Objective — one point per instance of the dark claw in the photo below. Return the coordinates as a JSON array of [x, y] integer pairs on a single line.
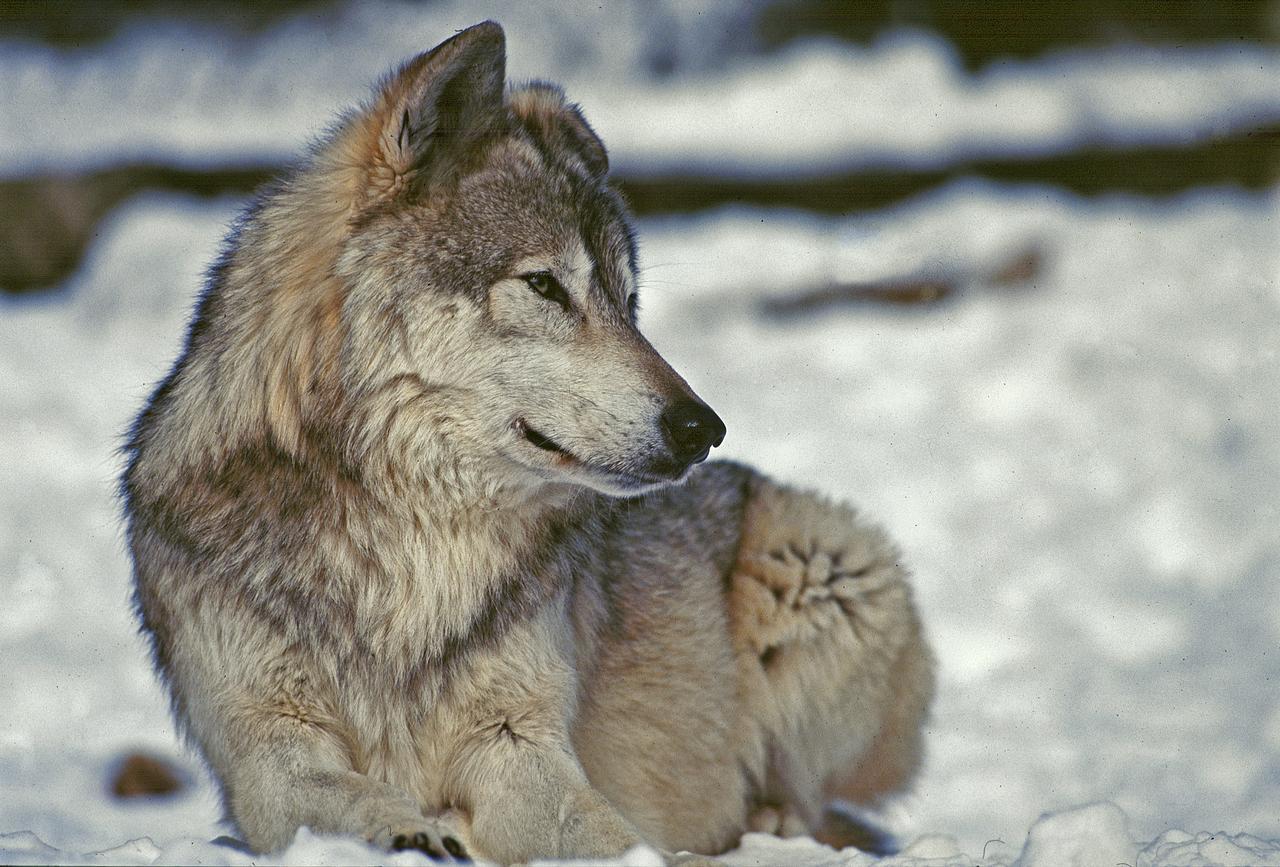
[[418, 841], [455, 848]]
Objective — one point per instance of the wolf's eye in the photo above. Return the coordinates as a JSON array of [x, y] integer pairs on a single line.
[[548, 287]]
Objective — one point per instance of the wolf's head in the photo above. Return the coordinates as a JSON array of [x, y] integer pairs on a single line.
[[482, 287]]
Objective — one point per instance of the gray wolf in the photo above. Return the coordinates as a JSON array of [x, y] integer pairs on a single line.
[[422, 538]]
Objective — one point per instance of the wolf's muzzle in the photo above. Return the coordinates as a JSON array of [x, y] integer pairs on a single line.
[[691, 429]]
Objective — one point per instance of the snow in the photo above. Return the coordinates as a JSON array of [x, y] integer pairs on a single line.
[[186, 95], [1095, 834], [1083, 471]]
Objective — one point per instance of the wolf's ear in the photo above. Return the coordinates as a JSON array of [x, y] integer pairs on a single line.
[[543, 110], [441, 103]]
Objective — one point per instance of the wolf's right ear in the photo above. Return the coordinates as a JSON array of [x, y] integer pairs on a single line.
[[438, 105]]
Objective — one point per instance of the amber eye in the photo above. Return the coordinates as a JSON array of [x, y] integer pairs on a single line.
[[548, 287]]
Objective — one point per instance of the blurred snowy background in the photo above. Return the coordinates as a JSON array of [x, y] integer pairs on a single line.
[[1006, 275]]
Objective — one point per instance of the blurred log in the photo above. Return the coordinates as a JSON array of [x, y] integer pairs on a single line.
[[1022, 267], [994, 29], [904, 293], [48, 222], [1249, 159], [75, 23]]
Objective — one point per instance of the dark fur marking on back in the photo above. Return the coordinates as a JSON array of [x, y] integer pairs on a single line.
[[744, 496], [611, 546]]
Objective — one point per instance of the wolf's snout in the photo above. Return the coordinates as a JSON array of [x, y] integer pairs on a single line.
[[692, 429]]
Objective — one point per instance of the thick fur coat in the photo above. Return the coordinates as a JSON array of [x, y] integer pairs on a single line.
[[422, 541]]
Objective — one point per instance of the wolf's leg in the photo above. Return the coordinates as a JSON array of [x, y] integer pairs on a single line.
[[888, 765], [540, 805], [536, 803], [513, 769], [267, 729], [834, 669]]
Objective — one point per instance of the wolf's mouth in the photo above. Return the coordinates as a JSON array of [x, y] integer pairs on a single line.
[[619, 480], [542, 441]]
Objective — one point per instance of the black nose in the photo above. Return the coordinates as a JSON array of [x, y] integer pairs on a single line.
[[692, 429]]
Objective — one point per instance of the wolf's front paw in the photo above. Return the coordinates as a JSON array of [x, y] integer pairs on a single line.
[[436, 846], [438, 838]]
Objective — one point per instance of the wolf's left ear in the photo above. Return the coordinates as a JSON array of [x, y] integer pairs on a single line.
[[543, 110], [442, 102]]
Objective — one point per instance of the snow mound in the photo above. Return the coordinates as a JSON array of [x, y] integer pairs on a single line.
[[1180, 849], [1084, 837]]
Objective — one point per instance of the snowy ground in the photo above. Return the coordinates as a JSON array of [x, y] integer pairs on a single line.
[[1083, 470]]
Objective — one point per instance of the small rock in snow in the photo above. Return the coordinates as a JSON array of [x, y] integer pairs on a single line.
[[139, 774]]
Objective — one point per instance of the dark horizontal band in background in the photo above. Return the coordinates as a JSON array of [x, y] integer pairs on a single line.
[[48, 221]]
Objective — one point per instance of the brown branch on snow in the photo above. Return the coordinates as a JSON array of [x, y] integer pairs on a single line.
[[1020, 269]]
